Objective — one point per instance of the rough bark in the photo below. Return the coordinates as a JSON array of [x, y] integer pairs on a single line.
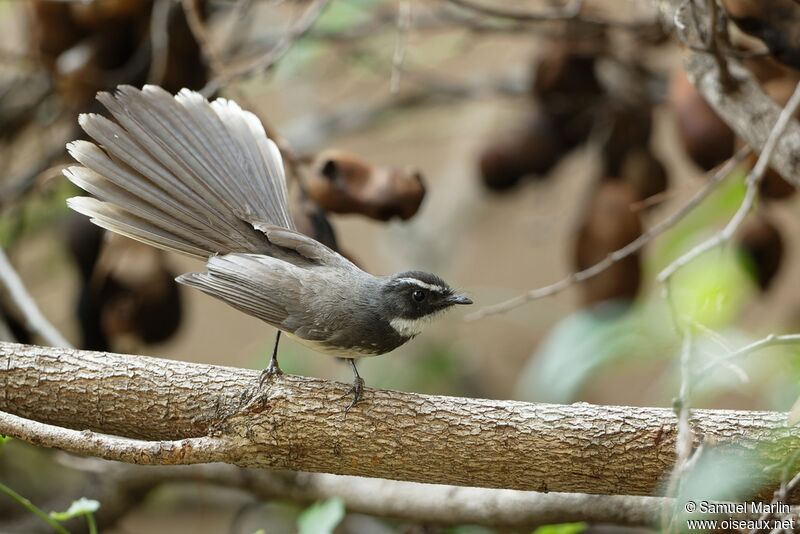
[[300, 424]]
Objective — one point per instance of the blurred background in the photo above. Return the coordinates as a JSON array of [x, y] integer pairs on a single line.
[[501, 153]]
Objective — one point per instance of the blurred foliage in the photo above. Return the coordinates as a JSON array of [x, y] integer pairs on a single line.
[[564, 528], [710, 292], [321, 517], [78, 508], [582, 342], [36, 213]]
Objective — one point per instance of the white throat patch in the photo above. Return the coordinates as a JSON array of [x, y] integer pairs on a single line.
[[409, 327]]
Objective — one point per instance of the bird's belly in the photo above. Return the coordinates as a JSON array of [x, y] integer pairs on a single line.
[[360, 351]]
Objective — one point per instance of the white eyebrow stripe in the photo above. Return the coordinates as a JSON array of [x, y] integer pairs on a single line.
[[423, 285]]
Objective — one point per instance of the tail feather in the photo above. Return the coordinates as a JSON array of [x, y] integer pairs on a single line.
[[112, 218], [115, 182], [180, 173], [156, 212]]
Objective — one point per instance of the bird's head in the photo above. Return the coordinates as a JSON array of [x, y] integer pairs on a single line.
[[413, 298]]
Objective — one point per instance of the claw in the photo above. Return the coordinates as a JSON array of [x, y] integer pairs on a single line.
[[357, 390]]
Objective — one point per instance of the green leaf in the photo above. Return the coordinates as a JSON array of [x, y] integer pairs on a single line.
[[4, 439], [82, 506], [321, 517], [564, 528], [712, 289]]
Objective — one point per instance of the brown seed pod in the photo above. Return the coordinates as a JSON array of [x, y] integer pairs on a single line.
[[766, 68], [707, 139], [645, 173], [564, 70], [609, 224], [344, 183], [52, 30], [761, 244], [775, 22], [126, 288], [630, 130], [534, 150], [82, 44], [773, 185]]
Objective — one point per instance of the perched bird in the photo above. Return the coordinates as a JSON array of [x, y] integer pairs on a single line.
[[203, 179]]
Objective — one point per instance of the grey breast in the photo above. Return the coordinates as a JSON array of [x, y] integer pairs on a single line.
[[342, 311]]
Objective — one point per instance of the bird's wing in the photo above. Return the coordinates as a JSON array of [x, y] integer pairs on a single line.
[[308, 248], [262, 286]]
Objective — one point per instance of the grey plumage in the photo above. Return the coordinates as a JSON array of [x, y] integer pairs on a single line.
[[203, 179]]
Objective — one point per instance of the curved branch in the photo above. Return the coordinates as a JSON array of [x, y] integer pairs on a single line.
[[299, 423], [185, 451], [746, 108], [38, 323]]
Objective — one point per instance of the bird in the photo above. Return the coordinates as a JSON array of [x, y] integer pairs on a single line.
[[203, 179]]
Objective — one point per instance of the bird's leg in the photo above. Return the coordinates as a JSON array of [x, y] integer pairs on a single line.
[[273, 369], [358, 386]]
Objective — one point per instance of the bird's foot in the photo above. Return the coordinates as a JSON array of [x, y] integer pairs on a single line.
[[273, 369], [258, 397], [357, 391]]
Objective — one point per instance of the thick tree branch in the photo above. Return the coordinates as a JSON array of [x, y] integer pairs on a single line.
[[299, 423]]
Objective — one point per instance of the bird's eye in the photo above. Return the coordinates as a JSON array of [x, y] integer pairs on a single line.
[[418, 295]]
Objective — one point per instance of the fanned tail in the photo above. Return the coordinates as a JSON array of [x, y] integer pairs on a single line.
[[180, 173]]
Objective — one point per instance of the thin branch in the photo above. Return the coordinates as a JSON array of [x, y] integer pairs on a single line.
[[769, 341], [185, 451], [405, 17], [618, 255], [685, 441], [32, 508], [261, 65], [22, 300], [572, 11], [159, 40], [753, 180], [121, 487]]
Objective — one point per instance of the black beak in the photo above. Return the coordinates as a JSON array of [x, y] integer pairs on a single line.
[[459, 299]]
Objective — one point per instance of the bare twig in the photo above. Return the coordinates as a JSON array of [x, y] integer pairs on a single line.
[[27, 307], [571, 12], [685, 439], [121, 486], [769, 341], [753, 180], [634, 246], [715, 34], [275, 54], [159, 40], [405, 17]]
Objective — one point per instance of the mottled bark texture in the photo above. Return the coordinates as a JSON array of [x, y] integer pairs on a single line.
[[300, 424]]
